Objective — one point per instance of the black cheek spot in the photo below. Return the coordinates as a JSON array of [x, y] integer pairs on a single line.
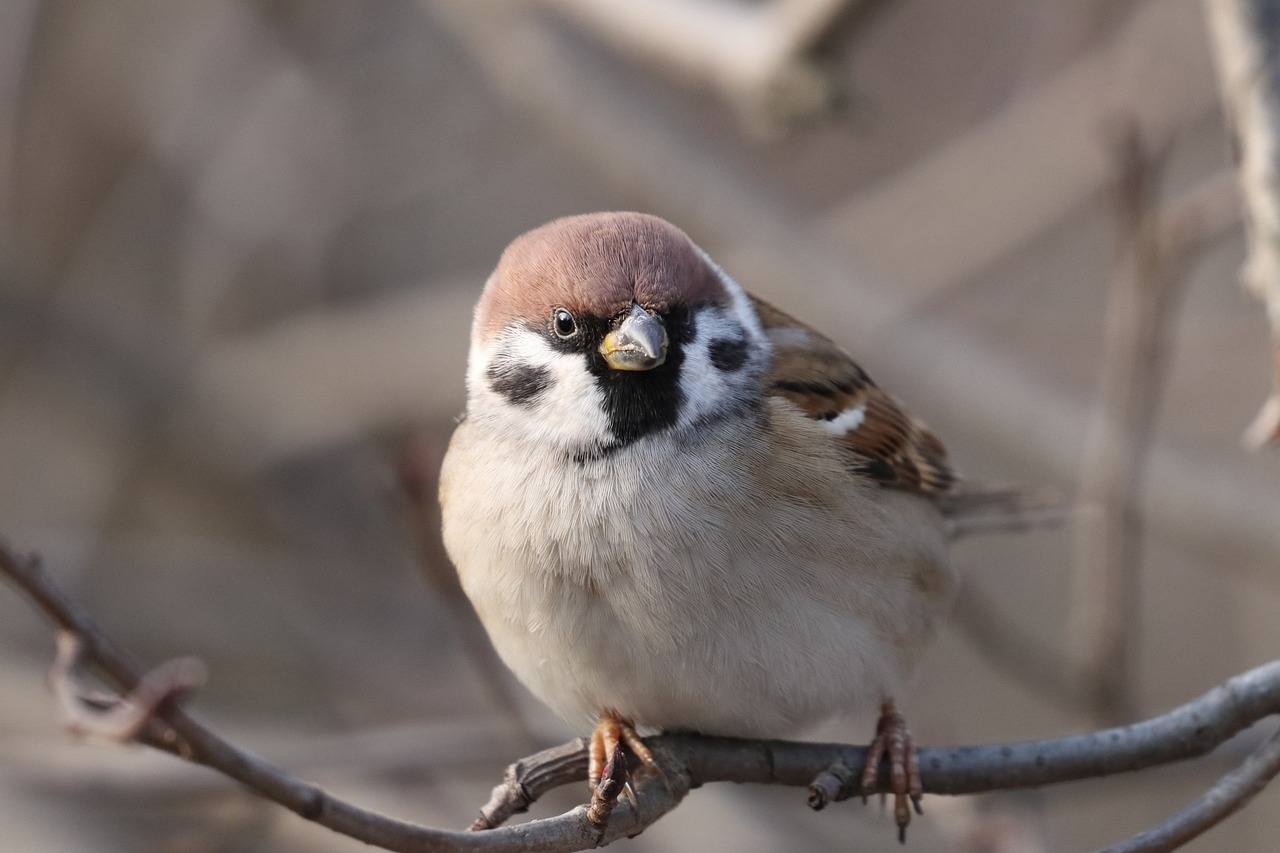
[[519, 382], [728, 354]]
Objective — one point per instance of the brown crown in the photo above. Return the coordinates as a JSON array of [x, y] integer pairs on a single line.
[[596, 264]]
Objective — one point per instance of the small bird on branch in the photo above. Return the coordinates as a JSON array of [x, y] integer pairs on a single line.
[[676, 507]]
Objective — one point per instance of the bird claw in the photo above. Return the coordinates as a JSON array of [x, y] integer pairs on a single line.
[[612, 783], [894, 740], [612, 731], [613, 738]]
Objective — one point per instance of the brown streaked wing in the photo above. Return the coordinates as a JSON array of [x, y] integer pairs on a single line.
[[887, 445]]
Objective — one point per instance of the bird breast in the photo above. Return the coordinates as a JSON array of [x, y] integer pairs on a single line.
[[747, 586]]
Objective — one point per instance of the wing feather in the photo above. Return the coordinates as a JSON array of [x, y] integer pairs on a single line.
[[884, 442]]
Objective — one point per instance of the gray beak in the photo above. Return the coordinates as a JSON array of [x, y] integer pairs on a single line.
[[639, 342]]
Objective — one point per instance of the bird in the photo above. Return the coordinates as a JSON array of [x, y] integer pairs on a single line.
[[674, 507]]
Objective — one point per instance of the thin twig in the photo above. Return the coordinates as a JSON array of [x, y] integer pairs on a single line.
[[831, 785], [1107, 553], [529, 778], [755, 54], [1154, 251], [113, 717], [686, 760], [1231, 793]]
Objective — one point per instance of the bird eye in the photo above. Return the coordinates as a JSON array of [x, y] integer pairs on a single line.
[[563, 323]]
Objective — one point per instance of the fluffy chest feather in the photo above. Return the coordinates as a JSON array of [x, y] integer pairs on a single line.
[[737, 585]]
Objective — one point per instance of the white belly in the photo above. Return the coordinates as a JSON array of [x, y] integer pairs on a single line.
[[641, 585]]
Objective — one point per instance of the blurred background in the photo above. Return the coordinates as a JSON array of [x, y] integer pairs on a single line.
[[239, 245]]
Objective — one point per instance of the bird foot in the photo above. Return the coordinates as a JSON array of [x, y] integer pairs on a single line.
[[894, 740], [614, 730], [608, 773], [607, 789]]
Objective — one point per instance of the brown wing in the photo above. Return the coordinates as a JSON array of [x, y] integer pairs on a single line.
[[884, 442]]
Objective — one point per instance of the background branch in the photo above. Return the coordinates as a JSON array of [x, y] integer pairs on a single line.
[[690, 761], [1246, 43], [1108, 538], [755, 54], [1156, 243], [1230, 794]]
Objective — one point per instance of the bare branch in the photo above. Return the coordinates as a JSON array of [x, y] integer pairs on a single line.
[[118, 718], [1246, 46], [175, 731], [1228, 796], [530, 778], [686, 760], [1107, 553], [755, 54], [1154, 249]]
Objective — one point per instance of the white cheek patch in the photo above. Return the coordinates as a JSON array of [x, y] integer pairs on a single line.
[[711, 385], [573, 411], [704, 387], [713, 389], [569, 412], [847, 421]]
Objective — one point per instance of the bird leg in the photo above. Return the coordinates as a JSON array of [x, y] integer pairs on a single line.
[[613, 730], [607, 772], [893, 739]]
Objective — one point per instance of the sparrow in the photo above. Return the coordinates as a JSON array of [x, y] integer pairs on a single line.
[[675, 507]]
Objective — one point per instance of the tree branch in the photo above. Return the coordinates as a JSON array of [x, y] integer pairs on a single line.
[[755, 54], [689, 761], [1229, 795], [1246, 46], [1107, 556]]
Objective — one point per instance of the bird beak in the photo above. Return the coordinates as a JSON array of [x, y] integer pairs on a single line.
[[639, 342]]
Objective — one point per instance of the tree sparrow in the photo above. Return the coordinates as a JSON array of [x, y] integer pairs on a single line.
[[674, 506]]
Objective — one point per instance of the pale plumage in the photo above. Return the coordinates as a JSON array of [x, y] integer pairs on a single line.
[[729, 530]]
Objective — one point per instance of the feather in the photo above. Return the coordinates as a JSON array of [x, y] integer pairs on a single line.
[[884, 442]]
